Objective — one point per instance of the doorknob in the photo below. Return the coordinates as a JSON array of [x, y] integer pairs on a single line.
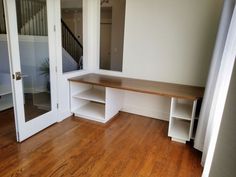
[[19, 76]]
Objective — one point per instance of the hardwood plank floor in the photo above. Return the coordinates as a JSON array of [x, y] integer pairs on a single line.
[[128, 146]]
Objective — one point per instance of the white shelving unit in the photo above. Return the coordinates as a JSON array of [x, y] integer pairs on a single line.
[[182, 114], [94, 102]]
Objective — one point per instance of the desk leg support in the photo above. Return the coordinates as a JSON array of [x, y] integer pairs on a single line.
[[114, 102]]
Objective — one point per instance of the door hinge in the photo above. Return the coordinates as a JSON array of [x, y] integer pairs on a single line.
[[54, 28], [57, 106], [56, 69]]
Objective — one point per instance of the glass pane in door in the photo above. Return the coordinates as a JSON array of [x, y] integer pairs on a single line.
[[34, 56]]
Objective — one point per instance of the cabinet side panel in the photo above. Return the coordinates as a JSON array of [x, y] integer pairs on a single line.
[[114, 102], [172, 104]]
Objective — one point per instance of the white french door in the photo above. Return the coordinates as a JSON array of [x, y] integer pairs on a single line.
[[31, 48]]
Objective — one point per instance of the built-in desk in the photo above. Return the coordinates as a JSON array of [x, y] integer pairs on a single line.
[[100, 97]]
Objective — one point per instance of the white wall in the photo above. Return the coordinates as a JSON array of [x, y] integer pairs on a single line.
[[147, 105], [223, 164], [69, 64], [170, 41]]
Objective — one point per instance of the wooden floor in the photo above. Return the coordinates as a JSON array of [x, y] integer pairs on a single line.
[[128, 146]]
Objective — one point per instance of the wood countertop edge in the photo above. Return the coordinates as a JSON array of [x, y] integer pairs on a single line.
[[170, 95]]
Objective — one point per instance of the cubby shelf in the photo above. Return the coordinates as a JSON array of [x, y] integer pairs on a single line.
[[180, 129], [183, 111], [92, 110], [93, 102], [181, 119], [92, 94]]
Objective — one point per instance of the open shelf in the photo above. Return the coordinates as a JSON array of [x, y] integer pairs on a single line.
[[95, 111], [182, 119], [183, 111], [180, 129], [92, 94]]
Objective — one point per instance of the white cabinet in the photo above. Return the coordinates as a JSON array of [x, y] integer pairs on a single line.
[[95, 102], [182, 114]]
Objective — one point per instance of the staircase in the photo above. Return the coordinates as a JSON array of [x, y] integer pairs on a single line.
[[32, 20], [71, 44], [31, 17], [2, 19]]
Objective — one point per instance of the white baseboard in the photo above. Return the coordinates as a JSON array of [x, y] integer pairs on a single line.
[[146, 112], [63, 115]]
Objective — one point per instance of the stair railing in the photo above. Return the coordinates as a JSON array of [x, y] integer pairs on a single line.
[[71, 44], [2, 20]]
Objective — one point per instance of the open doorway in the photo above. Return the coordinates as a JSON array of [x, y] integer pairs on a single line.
[[7, 121]]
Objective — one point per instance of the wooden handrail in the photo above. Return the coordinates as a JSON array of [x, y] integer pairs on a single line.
[[71, 33]]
